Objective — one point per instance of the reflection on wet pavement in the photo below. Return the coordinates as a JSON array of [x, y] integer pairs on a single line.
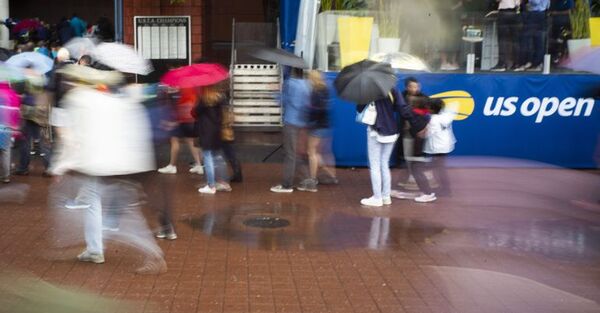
[[311, 229]]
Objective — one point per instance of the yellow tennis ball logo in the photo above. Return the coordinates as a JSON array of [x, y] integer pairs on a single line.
[[460, 100]]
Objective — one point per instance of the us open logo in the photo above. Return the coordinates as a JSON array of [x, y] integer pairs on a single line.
[[540, 108], [459, 99]]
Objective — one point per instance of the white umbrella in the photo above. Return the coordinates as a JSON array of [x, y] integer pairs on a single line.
[[402, 61], [36, 61], [122, 58], [80, 46]]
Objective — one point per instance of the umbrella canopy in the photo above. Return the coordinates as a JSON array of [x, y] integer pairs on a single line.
[[9, 73], [401, 61], [122, 58], [278, 56], [80, 46], [89, 75], [195, 75], [365, 81], [37, 61], [587, 60]]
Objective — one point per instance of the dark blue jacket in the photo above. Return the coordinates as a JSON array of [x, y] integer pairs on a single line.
[[386, 123]]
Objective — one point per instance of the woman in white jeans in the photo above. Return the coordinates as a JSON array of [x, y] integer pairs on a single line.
[[381, 138]]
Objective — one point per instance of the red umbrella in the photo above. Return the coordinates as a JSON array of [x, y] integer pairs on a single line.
[[195, 75]]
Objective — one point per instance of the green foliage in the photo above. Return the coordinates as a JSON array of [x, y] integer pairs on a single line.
[[177, 1], [343, 5], [388, 17], [580, 19]]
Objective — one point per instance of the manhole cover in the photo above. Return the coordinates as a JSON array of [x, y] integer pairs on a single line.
[[266, 222]]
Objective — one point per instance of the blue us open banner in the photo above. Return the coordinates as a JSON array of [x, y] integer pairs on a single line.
[[553, 119]]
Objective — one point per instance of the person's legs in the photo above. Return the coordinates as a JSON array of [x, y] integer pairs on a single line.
[[209, 167], [194, 150], [230, 156], [290, 141], [313, 155], [386, 154], [220, 167], [441, 175], [25, 147], [374, 149], [419, 169], [174, 151], [91, 194], [327, 160], [5, 163], [538, 36], [503, 27]]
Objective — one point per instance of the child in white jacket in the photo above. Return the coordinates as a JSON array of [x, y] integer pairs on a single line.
[[439, 142]]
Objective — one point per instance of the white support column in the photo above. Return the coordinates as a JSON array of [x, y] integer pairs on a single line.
[[4, 35]]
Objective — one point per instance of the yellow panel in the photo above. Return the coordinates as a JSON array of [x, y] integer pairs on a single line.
[[463, 99], [595, 30], [355, 38]]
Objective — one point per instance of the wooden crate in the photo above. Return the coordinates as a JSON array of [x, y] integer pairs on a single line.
[[256, 89]]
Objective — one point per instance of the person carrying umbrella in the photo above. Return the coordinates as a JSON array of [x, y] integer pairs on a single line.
[[295, 99], [209, 114], [372, 86]]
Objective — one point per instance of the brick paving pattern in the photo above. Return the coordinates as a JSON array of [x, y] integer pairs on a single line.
[[506, 241]]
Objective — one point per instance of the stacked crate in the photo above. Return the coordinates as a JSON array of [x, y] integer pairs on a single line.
[[256, 90]]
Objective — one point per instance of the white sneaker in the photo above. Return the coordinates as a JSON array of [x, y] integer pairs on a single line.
[[371, 202], [208, 190], [223, 187], [426, 198], [387, 200], [197, 169], [403, 195], [169, 169], [281, 189]]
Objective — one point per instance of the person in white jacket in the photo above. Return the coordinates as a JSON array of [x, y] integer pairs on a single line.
[[439, 142], [106, 137]]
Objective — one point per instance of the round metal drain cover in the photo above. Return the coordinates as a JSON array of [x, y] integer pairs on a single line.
[[266, 222]]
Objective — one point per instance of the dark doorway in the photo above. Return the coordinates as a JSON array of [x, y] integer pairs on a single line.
[[218, 16]]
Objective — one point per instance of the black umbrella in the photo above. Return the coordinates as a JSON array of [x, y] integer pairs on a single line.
[[365, 81], [278, 56]]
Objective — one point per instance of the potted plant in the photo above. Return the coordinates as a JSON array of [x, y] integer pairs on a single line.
[[328, 47], [388, 22], [580, 26]]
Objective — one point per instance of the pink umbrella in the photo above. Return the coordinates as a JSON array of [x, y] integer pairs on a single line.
[[195, 75]]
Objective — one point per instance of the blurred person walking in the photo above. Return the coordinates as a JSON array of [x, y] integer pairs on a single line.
[[209, 115], [405, 146], [107, 138], [319, 135], [9, 125], [228, 138], [438, 141], [185, 130], [35, 118], [295, 100]]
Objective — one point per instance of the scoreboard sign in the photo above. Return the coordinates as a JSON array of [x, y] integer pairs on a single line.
[[165, 41]]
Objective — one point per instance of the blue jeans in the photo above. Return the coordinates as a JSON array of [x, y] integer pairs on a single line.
[[214, 167], [379, 166]]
